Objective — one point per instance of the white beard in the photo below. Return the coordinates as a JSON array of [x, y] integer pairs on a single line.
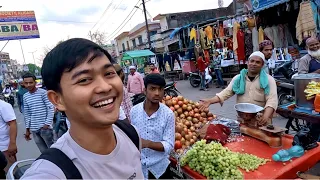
[[315, 54]]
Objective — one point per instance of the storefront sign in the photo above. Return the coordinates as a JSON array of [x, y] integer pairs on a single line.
[[18, 25], [259, 5]]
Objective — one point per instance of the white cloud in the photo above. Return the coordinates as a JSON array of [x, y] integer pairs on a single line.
[[86, 11]]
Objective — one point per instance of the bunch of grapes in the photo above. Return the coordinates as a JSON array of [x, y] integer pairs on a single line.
[[217, 162]]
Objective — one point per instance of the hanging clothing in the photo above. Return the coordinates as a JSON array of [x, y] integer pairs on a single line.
[[193, 35], [208, 31], [248, 43], [261, 35], [255, 39], [269, 33], [202, 39], [305, 26], [282, 40], [276, 38], [241, 46], [288, 35], [236, 27], [230, 44], [316, 15], [221, 31], [251, 23]]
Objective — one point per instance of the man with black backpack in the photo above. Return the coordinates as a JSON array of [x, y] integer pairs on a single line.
[[82, 82]]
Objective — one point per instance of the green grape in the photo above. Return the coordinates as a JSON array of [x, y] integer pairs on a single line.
[[217, 162]]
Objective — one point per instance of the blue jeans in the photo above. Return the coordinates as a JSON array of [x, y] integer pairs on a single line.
[[219, 77], [203, 80], [43, 138]]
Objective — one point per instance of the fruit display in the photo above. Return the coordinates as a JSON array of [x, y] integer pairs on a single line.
[[217, 162], [312, 89], [188, 119]]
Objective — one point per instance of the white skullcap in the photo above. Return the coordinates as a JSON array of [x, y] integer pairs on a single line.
[[20, 80], [259, 54], [132, 67]]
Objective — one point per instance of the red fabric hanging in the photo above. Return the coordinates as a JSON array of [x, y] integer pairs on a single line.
[[241, 47]]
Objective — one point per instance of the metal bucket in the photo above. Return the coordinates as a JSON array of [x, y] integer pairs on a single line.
[[300, 83]]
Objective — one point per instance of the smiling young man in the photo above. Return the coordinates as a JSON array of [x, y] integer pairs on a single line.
[[155, 122], [82, 82]]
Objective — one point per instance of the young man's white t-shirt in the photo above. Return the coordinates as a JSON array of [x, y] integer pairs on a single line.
[[6, 115], [122, 163]]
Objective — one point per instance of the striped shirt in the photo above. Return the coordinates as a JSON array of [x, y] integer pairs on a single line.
[[38, 110]]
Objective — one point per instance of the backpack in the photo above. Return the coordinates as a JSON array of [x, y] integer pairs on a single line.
[[61, 160]]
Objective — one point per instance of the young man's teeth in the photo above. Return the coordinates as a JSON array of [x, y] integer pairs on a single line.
[[103, 103]]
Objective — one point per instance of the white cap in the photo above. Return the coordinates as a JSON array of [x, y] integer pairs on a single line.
[[20, 80], [132, 67], [259, 54]]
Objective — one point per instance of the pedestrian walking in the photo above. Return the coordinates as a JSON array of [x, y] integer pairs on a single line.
[[38, 114], [155, 123], [126, 103], [202, 65], [21, 91], [217, 69], [135, 81], [82, 82], [8, 134]]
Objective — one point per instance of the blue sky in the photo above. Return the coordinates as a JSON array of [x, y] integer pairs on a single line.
[[62, 19]]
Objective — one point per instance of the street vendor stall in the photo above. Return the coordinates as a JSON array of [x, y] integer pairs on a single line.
[[272, 169], [214, 147], [139, 58]]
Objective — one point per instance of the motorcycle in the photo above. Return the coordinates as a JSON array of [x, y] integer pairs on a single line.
[[169, 90], [285, 87], [9, 99], [195, 79]]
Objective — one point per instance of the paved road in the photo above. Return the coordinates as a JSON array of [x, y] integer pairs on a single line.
[[26, 150], [29, 149]]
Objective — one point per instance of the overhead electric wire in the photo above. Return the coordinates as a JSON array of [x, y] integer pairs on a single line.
[[104, 12], [114, 34], [110, 15], [124, 21], [80, 22]]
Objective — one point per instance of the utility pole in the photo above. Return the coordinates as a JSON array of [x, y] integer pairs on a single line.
[[147, 26]]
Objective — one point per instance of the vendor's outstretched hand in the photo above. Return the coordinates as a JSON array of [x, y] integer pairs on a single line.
[[203, 104]]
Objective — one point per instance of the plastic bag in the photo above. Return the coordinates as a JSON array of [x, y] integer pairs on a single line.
[[304, 138]]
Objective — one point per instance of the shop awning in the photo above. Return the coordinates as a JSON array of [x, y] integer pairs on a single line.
[[259, 5], [135, 54]]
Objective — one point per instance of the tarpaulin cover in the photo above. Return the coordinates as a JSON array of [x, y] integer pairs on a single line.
[[259, 5], [176, 30], [134, 54]]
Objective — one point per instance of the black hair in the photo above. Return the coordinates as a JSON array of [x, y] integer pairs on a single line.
[[200, 53], [155, 79], [65, 57], [29, 75]]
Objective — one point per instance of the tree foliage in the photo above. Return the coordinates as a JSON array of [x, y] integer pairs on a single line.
[[98, 37], [33, 67]]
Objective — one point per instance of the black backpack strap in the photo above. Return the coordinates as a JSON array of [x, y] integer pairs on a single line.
[[130, 132], [61, 160]]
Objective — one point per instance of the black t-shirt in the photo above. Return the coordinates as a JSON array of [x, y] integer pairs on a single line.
[[251, 78]]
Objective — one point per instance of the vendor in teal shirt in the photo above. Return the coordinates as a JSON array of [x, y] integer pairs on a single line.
[[21, 91]]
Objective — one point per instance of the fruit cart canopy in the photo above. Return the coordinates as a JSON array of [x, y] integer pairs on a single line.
[[259, 5], [135, 54]]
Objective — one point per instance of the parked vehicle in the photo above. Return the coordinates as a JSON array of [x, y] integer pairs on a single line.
[[195, 79], [9, 98], [169, 90], [285, 86]]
